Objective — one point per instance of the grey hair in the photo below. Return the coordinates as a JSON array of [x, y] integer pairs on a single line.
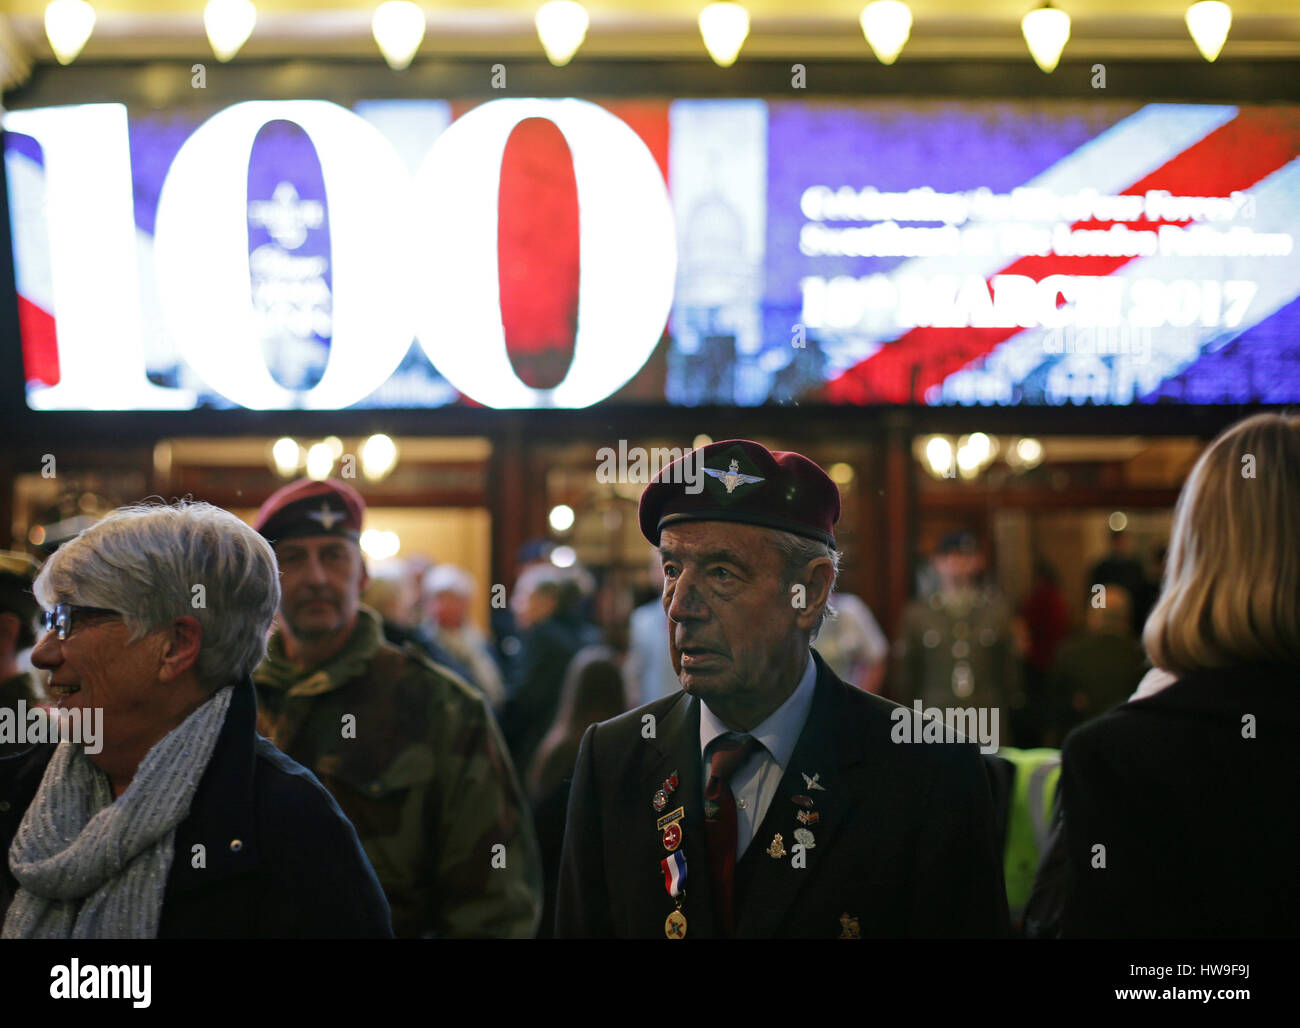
[[148, 561], [798, 552]]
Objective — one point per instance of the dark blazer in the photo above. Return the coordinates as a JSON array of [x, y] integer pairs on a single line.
[[1191, 792], [281, 860], [904, 841]]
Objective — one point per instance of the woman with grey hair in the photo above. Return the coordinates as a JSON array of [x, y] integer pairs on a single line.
[[159, 812]]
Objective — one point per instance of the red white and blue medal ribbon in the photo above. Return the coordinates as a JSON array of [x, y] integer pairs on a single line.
[[674, 866]]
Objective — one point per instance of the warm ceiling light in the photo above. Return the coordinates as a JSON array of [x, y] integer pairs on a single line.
[[564, 556], [229, 23], [1030, 452], [320, 461], [287, 455], [886, 24], [561, 517], [561, 26], [68, 24], [378, 457], [398, 27], [1208, 22], [379, 545], [724, 28], [939, 456], [1046, 31]]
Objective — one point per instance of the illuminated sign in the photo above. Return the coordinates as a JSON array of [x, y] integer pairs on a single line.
[[407, 256], [301, 255]]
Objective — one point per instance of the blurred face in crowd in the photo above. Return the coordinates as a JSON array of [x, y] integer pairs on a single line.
[[958, 570], [448, 609], [321, 578], [735, 636]]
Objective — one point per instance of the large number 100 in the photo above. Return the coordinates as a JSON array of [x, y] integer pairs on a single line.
[[411, 258]]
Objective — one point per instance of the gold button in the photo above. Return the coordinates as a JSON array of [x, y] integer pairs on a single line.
[[236, 845]]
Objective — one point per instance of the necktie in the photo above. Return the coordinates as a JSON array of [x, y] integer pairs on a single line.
[[728, 753]]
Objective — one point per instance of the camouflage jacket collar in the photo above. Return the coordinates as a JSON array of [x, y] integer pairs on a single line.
[[279, 673]]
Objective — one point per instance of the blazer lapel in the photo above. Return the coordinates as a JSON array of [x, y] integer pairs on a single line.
[[677, 740], [821, 797]]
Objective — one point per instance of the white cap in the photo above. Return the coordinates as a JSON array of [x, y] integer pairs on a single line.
[[447, 578]]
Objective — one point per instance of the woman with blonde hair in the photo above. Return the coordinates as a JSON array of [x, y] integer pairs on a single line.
[[1178, 812]]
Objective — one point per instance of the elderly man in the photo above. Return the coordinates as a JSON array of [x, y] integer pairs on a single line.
[[447, 593], [410, 751], [768, 798], [154, 619]]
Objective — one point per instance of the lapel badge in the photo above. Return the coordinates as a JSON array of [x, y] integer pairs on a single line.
[[671, 818], [806, 817], [849, 927], [670, 784], [810, 782], [777, 850], [804, 838], [660, 800], [673, 836], [803, 801]]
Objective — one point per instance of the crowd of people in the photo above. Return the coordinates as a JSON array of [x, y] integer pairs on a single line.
[[298, 743]]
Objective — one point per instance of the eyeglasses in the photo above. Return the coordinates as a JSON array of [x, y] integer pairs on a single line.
[[65, 615]]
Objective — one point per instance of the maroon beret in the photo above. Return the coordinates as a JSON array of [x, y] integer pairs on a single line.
[[739, 480], [308, 507]]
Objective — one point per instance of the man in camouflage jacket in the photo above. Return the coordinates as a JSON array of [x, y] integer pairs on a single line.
[[411, 752]]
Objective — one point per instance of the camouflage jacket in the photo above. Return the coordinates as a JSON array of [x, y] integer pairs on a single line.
[[416, 761]]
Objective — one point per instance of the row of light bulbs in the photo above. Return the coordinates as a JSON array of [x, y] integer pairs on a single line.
[[398, 28], [378, 457], [967, 456]]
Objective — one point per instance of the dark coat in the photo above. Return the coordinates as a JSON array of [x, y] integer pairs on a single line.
[[1197, 815], [281, 859], [904, 841]]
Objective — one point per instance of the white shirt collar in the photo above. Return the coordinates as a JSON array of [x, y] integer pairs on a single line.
[[782, 728]]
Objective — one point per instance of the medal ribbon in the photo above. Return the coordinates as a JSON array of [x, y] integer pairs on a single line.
[[674, 866]]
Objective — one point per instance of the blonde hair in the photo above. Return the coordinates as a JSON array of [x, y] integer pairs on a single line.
[[1231, 592]]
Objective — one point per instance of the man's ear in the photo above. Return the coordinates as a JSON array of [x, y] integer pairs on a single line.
[[181, 648], [816, 580]]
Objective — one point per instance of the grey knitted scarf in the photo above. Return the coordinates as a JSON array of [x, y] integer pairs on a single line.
[[91, 867]]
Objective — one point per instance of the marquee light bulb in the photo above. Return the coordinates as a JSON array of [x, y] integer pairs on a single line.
[[561, 26], [1208, 22], [724, 27], [228, 24], [398, 27], [886, 24], [68, 24], [1046, 31]]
